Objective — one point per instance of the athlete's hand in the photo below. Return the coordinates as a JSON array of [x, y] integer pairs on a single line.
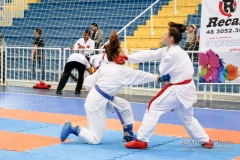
[[81, 47], [163, 78]]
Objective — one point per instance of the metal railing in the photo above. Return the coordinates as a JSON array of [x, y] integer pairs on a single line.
[[48, 66], [19, 68]]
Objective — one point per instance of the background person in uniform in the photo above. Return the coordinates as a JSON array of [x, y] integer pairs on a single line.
[[2, 44], [75, 61], [38, 54], [85, 43], [179, 95], [97, 35]]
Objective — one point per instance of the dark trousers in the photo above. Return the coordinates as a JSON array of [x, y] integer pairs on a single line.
[[67, 71], [192, 47], [2, 77], [38, 63]]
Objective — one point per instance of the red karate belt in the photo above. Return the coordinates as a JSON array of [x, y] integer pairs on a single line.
[[41, 85], [166, 87]]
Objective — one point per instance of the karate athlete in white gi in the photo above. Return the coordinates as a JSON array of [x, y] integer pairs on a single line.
[[104, 84], [97, 61], [179, 95]]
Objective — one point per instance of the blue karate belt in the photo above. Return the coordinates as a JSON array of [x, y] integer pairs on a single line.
[[105, 95]]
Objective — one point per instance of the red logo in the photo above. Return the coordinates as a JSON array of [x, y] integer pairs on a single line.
[[226, 7]]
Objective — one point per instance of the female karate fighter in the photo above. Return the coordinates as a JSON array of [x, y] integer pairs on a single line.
[[96, 61], [104, 84], [179, 95]]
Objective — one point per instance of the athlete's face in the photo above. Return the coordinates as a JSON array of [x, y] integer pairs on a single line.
[[167, 39]]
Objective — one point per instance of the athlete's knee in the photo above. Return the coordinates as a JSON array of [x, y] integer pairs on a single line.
[[95, 141]]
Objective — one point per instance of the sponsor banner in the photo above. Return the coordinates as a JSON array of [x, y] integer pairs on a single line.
[[219, 59]]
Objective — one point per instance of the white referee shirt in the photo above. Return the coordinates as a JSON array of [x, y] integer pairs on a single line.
[[78, 57], [98, 60], [90, 44]]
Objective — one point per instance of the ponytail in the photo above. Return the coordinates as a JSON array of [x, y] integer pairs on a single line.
[[113, 47]]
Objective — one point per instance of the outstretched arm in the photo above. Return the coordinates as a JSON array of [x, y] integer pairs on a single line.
[[144, 56], [134, 77]]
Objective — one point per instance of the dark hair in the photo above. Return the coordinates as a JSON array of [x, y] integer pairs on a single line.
[[94, 24], [88, 32], [113, 47], [39, 31], [176, 30]]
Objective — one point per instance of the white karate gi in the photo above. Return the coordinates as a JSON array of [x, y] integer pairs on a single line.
[[180, 98], [89, 45], [110, 78], [98, 60]]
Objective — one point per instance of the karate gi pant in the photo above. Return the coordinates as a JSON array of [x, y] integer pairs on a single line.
[[169, 103], [96, 116]]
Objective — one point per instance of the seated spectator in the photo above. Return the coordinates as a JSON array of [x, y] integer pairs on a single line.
[[191, 38], [97, 35], [85, 43], [191, 41]]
